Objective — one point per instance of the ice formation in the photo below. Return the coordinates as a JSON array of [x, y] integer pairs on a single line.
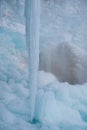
[[59, 106], [66, 61], [32, 18]]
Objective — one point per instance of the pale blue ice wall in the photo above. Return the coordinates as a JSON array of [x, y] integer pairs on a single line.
[[64, 21]]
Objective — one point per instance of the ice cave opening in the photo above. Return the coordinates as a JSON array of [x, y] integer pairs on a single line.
[[66, 61]]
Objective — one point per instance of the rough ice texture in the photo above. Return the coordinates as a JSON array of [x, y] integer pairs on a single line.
[[58, 105], [56, 102]]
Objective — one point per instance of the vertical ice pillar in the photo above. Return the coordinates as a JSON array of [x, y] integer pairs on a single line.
[[17, 5], [1, 2], [32, 15]]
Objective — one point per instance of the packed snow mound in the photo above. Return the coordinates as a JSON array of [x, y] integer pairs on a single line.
[[66, 61], [45, 78], [63, 105], [59, 106]]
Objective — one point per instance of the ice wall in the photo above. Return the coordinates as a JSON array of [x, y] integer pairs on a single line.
[[64, 21]]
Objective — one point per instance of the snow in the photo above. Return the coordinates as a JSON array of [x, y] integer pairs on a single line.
[[49, 78], [59, 106], [16, 27]]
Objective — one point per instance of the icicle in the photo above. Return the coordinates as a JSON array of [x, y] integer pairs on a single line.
[[1, 13], [32, 14]]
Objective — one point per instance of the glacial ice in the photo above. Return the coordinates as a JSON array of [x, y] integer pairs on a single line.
[[59, 106]]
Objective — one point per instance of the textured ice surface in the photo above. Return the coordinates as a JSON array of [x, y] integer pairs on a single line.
[[64, 21], [59, 106]]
